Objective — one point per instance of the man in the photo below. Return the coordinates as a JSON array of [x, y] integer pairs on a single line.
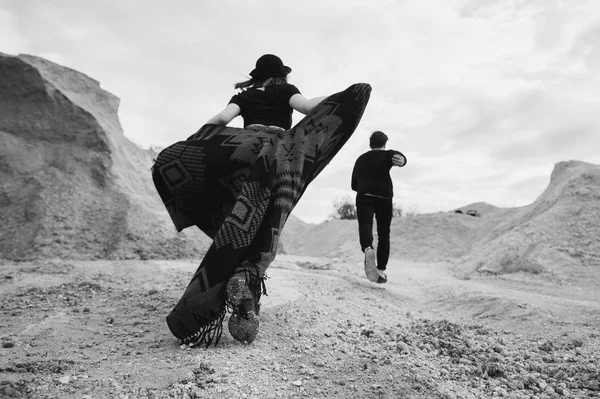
[[374, 191]]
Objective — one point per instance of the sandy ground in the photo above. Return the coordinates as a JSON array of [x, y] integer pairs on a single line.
[[83, 329]]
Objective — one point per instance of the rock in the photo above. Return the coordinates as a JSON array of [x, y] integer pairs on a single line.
[[64, 380], [515, 245], [10, 392], [64, 145], [401, 347], [577, 343], [560, 375], [562, 391], [367, 332], [546, 347], [495, 370]]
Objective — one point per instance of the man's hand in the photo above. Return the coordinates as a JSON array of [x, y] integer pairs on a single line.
[[398, 160]]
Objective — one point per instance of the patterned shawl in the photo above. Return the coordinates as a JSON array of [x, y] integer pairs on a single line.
[[239, 186]]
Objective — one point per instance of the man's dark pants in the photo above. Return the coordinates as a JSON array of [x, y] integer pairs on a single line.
[[382, 208]]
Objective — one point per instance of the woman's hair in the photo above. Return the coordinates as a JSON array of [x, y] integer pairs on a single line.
[[378, 139], [260, 83]]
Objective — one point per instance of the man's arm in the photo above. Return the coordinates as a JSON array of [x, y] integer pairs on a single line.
[[398, 159]]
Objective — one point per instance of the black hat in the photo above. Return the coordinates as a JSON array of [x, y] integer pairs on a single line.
[[269, 66]]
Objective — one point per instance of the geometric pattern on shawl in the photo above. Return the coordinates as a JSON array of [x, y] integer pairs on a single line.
[[239, 186]]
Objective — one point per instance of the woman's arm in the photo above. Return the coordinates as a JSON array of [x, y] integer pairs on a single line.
[[224, 117], [304, 105]]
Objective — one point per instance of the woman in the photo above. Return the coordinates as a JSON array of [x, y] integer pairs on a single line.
[[266, 103], [240, 185], [267, 99]]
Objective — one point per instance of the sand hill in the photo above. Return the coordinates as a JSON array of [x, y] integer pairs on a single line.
[[71, 184], [425, 237], [560, 229]]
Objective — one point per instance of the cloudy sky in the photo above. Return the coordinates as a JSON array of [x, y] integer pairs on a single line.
[[482, 96]]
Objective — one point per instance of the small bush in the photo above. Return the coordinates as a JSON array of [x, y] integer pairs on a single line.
[[344, 209]]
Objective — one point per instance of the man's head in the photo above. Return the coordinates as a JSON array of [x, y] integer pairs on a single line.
[[378, 139]]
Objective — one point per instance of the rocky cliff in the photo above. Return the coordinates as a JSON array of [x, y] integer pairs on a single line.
[[559, 230], [71, 184]]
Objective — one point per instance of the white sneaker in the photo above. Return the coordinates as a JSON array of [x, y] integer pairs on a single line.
[[381, 277], [371, 265]]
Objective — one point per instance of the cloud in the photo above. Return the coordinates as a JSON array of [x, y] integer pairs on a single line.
[[586, 47], [11, 41]]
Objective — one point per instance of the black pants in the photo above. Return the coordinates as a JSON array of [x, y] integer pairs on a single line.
[[382, 209]]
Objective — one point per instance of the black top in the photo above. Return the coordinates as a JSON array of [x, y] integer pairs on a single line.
[[371, 173], [266, 105]]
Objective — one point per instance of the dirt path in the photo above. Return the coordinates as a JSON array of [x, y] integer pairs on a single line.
[[73, 329]]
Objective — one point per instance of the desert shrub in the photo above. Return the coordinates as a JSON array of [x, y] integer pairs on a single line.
[[410, 212], [345, 209]]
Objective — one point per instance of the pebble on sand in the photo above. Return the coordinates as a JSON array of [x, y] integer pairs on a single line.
[[64, 380]]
